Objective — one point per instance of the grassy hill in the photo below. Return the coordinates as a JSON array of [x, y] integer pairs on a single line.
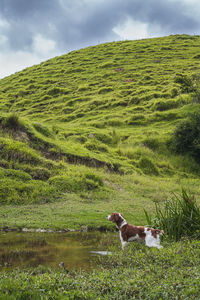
[[91, 131]]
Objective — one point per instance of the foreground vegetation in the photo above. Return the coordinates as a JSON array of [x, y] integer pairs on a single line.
[[137, 273]]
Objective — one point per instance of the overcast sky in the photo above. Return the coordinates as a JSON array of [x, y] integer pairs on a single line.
[[32, 31]]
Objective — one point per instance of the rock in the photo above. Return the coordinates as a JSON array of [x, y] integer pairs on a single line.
[[61, 264]]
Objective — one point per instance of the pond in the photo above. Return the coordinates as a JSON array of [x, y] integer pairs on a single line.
[[76, 250]]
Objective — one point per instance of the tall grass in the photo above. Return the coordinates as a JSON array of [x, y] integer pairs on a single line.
[[179, 216]]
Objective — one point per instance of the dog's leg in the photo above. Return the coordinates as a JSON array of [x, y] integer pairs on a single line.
[[122, 241], [150, 241], [123, 245]]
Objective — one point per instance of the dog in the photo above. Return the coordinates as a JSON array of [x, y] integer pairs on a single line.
[[129, 233]]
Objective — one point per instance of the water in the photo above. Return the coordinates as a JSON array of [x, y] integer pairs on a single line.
[[74, 250]]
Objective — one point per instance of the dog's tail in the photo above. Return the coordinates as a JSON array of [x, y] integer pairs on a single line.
[[160, 232]]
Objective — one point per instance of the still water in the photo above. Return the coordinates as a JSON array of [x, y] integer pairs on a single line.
[[77, 250]]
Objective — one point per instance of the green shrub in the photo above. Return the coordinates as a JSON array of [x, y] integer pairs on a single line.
[[147, 166], [76, 182], [178, 217], [152, 143], [185, 82], [104, 138], [95, 145], [12, 122], [186, 138]]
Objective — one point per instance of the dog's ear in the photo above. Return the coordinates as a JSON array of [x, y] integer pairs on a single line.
[[114, 217], [122, 216]]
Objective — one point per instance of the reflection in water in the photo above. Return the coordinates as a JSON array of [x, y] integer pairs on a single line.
[[76, 250]]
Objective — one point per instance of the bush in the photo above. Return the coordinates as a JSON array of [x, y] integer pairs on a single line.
[[95, 145], [152, 143], [12, 122], [186, 138], [103, 137], [179, 217], [185, 82], [189, 84], [76, 182], [147, 166]]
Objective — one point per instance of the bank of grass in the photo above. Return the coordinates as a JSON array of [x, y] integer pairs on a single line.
[[113, 107], [128, 194], [91, 130], [137, 273]]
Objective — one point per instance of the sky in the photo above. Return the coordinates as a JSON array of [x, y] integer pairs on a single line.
[[32, 31]]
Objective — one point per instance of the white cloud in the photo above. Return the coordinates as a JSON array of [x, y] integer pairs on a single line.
[[4, 24], [3, 40], [13, 62], [42, 46], [131, 30]]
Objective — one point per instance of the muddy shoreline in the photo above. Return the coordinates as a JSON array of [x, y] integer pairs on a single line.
[[42, 230]]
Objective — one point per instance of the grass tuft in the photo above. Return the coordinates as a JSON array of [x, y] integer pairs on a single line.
[[178, 217]]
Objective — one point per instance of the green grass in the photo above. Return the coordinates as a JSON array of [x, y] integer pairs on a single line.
[[138, 273], [79, 125], [89, 133], [128, 194]]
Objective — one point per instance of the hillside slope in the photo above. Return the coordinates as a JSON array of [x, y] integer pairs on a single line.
[[69, 122]]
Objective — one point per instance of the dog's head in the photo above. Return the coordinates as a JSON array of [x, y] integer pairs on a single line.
[[116, 218]]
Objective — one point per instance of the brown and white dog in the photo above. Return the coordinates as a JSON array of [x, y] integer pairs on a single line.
[[129, 233]]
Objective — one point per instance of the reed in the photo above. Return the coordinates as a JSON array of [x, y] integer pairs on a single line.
[[178, 217]]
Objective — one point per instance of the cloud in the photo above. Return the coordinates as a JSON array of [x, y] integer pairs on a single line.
[[43, 46], [132, 30], [45, 28], [15, 61]]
